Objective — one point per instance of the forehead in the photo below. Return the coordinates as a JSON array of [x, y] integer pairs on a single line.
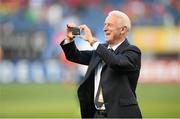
[[113, 19]]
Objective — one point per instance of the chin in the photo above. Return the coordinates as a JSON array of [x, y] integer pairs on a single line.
[[108, 41]]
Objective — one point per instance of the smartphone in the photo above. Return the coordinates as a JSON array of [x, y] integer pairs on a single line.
[[75, 31]]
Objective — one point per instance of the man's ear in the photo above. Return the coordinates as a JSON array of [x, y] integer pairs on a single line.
[[124, 29]]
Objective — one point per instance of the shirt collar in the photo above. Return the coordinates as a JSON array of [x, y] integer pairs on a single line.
[[116, 46]]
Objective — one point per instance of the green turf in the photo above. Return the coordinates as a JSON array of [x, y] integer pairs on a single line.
[[45, 100], [159, 100], [56, 100]]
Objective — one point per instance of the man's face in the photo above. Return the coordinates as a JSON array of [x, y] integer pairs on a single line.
[[112, 29]]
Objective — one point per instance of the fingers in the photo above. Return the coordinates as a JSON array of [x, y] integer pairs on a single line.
[[70, 25], [84, 28], [87, 32], [81, 37], [69, 34]]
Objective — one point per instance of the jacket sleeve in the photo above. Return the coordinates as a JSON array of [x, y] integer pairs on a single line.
[[74, 55], [127, 60]]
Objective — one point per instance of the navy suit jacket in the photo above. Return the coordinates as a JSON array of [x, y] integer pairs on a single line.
[[119, 78]]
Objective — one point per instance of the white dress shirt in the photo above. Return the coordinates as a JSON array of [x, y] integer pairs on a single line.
[[98, 72]]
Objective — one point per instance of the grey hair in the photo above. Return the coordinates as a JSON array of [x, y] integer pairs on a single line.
[[123, 16]]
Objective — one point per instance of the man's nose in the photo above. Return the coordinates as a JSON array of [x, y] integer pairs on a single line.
[[105, 28]]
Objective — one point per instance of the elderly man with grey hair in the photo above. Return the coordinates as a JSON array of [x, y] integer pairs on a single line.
[[109, 85]]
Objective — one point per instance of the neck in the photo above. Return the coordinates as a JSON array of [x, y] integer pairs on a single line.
[[115, 42]]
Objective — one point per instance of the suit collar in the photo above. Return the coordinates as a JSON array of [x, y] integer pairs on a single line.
[[92, 66], [122, 46], [117, 45]]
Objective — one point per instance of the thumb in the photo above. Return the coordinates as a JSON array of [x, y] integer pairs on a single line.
[[82, 37]]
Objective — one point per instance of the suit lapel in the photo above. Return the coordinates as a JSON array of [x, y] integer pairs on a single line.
[[96, 61], [93, 64], [91, 68]]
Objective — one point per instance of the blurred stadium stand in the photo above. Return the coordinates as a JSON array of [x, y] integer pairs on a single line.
[[31, 30]]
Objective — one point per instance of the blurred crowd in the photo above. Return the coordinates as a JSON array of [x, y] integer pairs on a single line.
[[43, 22], [33, 29]]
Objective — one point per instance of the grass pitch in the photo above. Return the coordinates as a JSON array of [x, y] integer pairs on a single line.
[[60, 100]]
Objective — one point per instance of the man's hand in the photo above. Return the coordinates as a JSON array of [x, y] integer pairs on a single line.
[[87, 34], [69, 35]]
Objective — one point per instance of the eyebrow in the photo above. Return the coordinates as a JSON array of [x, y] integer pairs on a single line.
[[108, 23]]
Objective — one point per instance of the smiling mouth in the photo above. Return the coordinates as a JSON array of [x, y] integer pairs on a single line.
[[107, 34]]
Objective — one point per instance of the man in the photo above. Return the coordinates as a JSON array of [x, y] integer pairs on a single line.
[[108, 89]]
